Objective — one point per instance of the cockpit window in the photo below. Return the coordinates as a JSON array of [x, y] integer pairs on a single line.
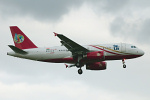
[[133, 46]]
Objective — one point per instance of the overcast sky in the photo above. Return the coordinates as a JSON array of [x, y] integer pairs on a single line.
[[86, 22]]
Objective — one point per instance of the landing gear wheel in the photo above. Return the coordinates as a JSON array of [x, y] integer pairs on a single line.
[[124, 66], [80, 71]]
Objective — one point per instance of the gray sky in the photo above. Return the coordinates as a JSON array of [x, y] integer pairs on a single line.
[[86, 22]]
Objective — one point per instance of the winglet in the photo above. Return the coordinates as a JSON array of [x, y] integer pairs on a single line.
[[55, 33], [66, 65]]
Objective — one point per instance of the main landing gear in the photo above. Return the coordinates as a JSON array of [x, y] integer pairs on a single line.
[[78, 66], [123, 61], [80, 71]]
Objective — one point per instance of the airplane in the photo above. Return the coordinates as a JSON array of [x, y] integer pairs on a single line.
[[76, 55]]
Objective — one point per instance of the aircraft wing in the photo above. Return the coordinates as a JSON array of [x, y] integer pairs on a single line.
[[71, 45]]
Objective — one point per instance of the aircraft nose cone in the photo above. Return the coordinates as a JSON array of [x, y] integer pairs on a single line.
[[141, 52]]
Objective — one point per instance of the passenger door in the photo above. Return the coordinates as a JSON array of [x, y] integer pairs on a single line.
[[123, 47]]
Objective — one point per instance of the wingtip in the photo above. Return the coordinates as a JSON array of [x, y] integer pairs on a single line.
[[66, 65], [55, 33]]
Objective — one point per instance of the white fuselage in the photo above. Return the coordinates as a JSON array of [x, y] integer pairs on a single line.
[[60, 54]]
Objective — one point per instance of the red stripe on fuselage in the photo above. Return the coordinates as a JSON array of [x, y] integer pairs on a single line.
[[60, 60]]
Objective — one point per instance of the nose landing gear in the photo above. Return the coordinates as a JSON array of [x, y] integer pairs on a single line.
[[123, 61]]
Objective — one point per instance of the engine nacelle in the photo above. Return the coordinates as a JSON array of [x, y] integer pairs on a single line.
[[96, 55], [96, 66]]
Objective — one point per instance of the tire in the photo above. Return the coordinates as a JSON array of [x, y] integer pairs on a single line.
[[80, 71], [124, 66]]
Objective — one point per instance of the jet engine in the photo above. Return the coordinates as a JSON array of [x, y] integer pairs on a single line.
[[96, 66]]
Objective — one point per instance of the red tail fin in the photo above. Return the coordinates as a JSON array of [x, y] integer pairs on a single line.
[[21, 41]]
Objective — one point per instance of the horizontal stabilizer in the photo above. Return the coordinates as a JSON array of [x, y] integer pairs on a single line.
[[17, 50]]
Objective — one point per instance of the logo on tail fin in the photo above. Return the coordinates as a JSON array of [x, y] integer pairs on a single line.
[[18, 38]]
